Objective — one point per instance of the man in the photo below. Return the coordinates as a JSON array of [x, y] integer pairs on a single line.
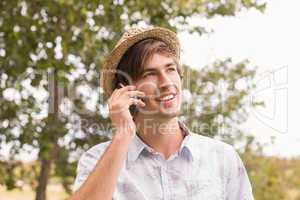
[[153, 155]]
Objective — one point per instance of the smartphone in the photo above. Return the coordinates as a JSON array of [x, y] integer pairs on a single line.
[[133, 109]]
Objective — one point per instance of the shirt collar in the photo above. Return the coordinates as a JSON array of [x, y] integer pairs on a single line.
[[188, 141], [135, 149], [137, 145]]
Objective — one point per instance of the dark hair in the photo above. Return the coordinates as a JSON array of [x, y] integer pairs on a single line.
[[133, 61]]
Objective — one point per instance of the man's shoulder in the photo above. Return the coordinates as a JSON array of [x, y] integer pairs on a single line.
[[96, 151], [210, 144], [99, 147]]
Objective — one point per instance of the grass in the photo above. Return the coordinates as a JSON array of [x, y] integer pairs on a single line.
[[54, 192]]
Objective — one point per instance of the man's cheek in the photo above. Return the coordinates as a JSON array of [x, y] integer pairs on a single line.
[[147, 87]]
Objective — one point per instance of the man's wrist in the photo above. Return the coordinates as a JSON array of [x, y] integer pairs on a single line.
[[123, 134]]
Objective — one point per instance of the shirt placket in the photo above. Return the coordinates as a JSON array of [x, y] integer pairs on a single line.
[[164, 178]]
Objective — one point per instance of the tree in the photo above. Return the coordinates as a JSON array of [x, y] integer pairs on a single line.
[[220, 98], [51, 47]]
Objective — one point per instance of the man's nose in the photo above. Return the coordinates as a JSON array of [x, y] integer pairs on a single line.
[[164, 80]]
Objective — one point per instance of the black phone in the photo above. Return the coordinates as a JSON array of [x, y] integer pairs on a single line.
[[133, 109]]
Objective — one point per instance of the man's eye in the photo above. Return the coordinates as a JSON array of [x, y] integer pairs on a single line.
[[149, 74], [171, 69]]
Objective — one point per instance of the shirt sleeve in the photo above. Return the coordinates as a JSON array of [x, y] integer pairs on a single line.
[[87, 163], [238, 186]]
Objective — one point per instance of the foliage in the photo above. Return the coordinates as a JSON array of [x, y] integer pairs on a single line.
[[220, 98], [272, 178]]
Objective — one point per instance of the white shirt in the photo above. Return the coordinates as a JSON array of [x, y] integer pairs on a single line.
[[202, 169]]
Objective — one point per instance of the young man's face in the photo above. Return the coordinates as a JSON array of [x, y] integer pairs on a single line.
[[161, 83]]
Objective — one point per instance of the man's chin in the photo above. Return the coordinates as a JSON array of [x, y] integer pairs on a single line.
[[161, 113], [168, 114]]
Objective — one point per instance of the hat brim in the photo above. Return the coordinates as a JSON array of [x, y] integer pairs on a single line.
[[109, 68]]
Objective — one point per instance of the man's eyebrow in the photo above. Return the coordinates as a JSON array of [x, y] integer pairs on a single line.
[[154, 69]]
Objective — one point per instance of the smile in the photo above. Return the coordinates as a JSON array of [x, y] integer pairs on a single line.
[[165, 98]]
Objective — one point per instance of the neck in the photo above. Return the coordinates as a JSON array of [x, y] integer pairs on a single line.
[[163, 135]]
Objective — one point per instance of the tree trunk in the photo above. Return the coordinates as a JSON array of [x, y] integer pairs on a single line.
[[43, 179], [46, 164], [47, 161]]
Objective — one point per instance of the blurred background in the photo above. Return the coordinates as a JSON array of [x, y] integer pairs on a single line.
[[240, 86]]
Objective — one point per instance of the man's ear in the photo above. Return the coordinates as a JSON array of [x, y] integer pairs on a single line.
[[179, 69], [181, 76]]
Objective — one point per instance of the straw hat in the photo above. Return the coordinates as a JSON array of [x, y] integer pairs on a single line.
[[128, 39]]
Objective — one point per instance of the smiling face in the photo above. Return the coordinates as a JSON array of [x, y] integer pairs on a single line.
[[160, 81], [153, 67]]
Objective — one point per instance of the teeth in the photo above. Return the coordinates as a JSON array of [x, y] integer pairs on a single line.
[[168, 97]]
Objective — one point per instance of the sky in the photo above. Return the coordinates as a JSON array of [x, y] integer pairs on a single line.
[[270, 40]]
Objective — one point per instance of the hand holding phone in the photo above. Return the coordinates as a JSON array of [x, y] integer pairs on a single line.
[[121, 103]]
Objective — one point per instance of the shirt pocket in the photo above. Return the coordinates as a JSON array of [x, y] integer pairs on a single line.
[[204, 188]]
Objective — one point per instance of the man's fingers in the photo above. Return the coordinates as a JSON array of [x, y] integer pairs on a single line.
[[127, 88], [138, 102], [136, 93], [117, 92]]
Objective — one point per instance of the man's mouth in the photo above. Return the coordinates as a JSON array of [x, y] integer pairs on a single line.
[[166, 97]]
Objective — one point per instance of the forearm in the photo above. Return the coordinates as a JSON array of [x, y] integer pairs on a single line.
[[107, 169]]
